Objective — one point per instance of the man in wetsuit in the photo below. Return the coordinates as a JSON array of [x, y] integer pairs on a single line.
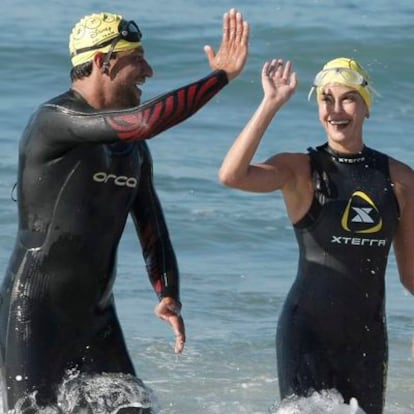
[[347, 203], [83, 168]]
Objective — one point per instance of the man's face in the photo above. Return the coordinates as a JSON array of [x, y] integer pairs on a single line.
[[127, 71]]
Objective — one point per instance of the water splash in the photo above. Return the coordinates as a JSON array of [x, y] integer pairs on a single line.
[[325, 402], [98, 394]]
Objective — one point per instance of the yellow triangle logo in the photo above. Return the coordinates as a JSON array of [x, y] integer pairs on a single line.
[[361, 215]]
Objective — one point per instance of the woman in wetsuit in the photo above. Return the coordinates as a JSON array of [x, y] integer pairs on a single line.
[[83, 168], [348, 203]]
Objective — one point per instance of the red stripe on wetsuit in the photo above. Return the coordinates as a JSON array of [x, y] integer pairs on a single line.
[[168, 110]]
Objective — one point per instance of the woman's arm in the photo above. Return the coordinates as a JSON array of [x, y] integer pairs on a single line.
[[403, 179], [237, 171]]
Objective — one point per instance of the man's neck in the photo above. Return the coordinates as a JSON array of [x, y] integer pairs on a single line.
[[91, 90]]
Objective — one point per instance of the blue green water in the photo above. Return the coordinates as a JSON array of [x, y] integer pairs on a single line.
[[236, 251]]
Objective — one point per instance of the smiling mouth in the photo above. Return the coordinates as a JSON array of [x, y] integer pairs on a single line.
[[339, 123]]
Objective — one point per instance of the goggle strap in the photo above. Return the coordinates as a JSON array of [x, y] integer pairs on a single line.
[[105, 64], [311, 92], [87, 49]]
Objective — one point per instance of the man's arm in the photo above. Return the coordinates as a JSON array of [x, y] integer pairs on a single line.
[[163, 112], [133, 124], [158, 251]]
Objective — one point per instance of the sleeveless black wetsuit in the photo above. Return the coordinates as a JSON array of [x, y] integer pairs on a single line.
[[81, 173], [332, 329]]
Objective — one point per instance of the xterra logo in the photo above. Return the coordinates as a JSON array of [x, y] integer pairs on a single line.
[[119, 180], [361, 216]]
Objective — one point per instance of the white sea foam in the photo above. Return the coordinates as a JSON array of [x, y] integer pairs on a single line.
[[97, 394], [325, 402]]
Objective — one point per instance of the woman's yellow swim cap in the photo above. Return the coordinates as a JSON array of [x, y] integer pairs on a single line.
[[348, 72], [94, 33]]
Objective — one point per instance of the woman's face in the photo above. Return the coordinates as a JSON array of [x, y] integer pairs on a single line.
[[342, 112]]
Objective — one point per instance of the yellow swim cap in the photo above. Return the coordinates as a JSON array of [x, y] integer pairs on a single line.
[[102, 32], [348, 72]]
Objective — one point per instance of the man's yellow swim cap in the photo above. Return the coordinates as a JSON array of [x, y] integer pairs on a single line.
[[102, 32], [348, 72]]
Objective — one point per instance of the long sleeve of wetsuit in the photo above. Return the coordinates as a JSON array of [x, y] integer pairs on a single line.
[[157, 250], [137, 123]]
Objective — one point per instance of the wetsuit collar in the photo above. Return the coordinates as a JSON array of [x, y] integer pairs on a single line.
[[346, 158]]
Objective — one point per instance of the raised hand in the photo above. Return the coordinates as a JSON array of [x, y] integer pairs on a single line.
[[278, 81], [232, 54]]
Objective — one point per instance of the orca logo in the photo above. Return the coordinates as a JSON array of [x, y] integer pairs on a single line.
[[119, 180], [361, 215]]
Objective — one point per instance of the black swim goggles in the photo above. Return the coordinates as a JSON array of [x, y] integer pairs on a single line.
[[127, 30]]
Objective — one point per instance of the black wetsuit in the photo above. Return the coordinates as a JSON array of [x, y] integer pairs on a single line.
[[332, 330], [80, 174]]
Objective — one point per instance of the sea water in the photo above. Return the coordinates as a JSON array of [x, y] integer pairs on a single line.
[[236, 251]]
